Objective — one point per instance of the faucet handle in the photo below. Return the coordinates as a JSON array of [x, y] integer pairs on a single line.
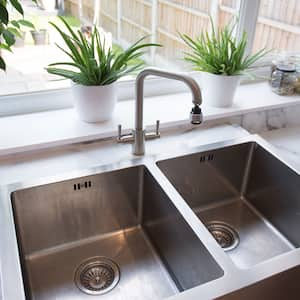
[[119, 131], [153, 135], [124, 138], [157, 128]]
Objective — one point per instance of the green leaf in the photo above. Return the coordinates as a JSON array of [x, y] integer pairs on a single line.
[[5, 47], [26, 23], [14, 31], [69, 28], [75, 54], [2, 64], [3, 14], [61, 72], [16, 4], [8, 37], [15, 23]]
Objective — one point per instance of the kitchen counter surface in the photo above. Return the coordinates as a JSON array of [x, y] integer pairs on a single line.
[[70, 159], [82, 156]]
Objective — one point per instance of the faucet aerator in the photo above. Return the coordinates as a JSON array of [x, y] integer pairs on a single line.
[[196, 116]]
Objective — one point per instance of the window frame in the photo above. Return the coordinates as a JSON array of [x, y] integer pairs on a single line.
[[61, 98]]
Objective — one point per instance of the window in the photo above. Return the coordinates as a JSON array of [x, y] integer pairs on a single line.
[[271, 23], [278, 26], [128, 20]]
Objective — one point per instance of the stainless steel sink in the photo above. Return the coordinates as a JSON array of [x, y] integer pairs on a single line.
[[219, 220], [248, 199], [113, 235], [284, 285]]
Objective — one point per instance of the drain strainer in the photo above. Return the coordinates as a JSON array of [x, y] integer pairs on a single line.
[[97, 275], [224, 234]]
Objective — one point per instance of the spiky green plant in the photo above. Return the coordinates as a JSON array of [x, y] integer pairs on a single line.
[[91, 63], [220, 52]]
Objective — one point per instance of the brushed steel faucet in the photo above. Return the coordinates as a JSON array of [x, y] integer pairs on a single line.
[[139, 135]]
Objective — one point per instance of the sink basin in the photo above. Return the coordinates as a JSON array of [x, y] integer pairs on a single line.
[[248, 199], [114, 235]]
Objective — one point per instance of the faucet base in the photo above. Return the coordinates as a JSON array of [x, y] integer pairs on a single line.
[[138, 147]]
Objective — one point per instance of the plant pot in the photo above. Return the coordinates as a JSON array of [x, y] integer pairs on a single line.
[[219, 90], [20, 40], [40, 37], [95, 103]]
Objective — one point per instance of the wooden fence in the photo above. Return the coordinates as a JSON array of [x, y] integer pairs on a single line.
[[278, 23]]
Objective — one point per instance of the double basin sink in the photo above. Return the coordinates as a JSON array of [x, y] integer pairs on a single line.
[[155, 228]]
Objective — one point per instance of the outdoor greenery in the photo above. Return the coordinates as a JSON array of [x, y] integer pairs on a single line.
[[10, 29], [220, 52], [42, 21], [93, 61]]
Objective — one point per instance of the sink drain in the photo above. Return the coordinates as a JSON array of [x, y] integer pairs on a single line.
[[224, 234], [97, 275]]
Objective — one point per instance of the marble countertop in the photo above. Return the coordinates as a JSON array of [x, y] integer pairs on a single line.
[[287, 143], [68, 159], [17, 167]]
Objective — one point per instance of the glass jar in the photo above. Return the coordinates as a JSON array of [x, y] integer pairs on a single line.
[[284, 79], [297, 85]]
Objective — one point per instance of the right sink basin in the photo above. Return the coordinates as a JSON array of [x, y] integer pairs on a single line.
[[248, 199]]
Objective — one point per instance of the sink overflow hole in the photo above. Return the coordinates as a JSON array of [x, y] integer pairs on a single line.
[[226, 236], [86, 184], [208, 157], [97, 275]]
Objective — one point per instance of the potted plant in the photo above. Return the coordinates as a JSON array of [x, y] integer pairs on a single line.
[[39, 33], [40, 36], [222, 59], [17, 29], [94, 69], [9, 29]]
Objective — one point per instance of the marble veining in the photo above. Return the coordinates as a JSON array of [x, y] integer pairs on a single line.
[[261, 121]]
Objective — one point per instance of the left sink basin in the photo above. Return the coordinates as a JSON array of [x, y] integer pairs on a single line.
[[113, 235]]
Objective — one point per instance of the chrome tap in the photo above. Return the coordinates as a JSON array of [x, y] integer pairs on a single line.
[[139, 135]]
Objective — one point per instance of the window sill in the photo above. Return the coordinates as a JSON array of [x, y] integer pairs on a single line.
[[61, 127]]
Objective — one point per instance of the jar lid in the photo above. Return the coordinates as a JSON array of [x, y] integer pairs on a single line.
[[286, 68]]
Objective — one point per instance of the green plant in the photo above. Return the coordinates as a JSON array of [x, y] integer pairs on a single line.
[[9, 29], [17, 26], [220, 52], [71, 20], [94, 64]]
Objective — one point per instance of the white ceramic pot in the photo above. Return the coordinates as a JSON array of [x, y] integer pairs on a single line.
[[40, 37], [20, 40], [219, 90], [95, 103]]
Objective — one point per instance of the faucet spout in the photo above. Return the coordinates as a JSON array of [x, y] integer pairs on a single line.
[[195, 116]]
